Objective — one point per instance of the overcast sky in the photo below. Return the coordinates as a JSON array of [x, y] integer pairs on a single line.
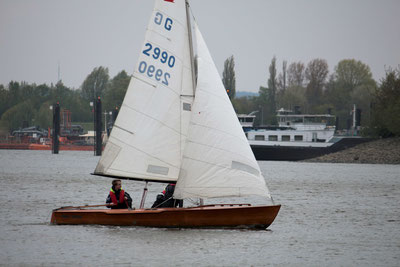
[[82, 34]]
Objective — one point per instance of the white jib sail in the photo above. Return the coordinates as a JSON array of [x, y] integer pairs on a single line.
[[148, 137], [217, 161]]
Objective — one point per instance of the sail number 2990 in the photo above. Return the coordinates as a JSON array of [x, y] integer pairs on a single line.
[[152, 72], [157, 53]]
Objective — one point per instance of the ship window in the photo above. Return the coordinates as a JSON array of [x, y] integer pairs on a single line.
[[259, 137], [272, 138], [286, 138], [298, 138]]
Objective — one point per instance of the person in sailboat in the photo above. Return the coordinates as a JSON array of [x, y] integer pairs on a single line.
[[165, 200], [118, 198]]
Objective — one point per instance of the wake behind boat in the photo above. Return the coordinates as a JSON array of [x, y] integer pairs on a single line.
[[176, 125]]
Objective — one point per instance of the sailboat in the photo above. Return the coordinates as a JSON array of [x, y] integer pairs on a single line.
[[177, 125]]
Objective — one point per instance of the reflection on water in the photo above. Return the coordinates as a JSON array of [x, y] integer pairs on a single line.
[[332, 214]]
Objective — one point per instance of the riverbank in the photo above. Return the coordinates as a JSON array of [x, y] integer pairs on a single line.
[[382, 151]]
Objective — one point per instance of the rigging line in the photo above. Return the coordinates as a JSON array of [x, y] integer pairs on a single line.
[[191, 11], [154, 119], [162, 203], [177, 167]]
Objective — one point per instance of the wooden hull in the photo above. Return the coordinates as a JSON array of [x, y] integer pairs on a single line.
[[210, 216]]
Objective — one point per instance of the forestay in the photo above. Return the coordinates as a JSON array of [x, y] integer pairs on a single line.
[[148, 137], [217, 161]]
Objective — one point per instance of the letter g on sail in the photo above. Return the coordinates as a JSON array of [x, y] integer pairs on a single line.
[[159, 20]]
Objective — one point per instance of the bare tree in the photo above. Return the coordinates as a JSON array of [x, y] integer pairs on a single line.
[[316, 74], [295, 74], [282, 78]]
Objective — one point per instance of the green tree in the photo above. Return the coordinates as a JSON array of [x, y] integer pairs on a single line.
[[4, 99], [44, 117], [293, 96], [14, 93], [245, 104], [18, 114], [95, 83], [228, 77], [351, 73], [115, 92], [386, 119], [351, 83]]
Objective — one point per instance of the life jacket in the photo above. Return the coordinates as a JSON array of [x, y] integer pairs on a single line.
[[114, 197]]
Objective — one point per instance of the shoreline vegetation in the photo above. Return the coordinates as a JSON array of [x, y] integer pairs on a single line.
[[380, 151]]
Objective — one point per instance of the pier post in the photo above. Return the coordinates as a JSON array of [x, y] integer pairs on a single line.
[[56, 128], [98, 127]]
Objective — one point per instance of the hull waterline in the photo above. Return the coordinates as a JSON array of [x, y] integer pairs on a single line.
[[209, 216]]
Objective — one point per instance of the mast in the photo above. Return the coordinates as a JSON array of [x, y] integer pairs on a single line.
[[191, 58], [190, 46]]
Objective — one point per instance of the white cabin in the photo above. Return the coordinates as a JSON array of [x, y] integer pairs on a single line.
[[246, 120], [295, 130]]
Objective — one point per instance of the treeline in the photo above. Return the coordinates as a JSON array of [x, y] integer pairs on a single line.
[[23, 104], [311, 87]]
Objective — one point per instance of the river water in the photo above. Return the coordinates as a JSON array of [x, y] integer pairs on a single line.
[[331, 215]]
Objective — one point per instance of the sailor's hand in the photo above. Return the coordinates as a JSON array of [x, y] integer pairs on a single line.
[[126, 198]]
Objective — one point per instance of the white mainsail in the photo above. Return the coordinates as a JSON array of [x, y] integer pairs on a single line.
[[148, 137], [217, 161]]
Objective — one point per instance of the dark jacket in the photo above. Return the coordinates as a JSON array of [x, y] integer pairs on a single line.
[[120, 205], [165, 200]]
